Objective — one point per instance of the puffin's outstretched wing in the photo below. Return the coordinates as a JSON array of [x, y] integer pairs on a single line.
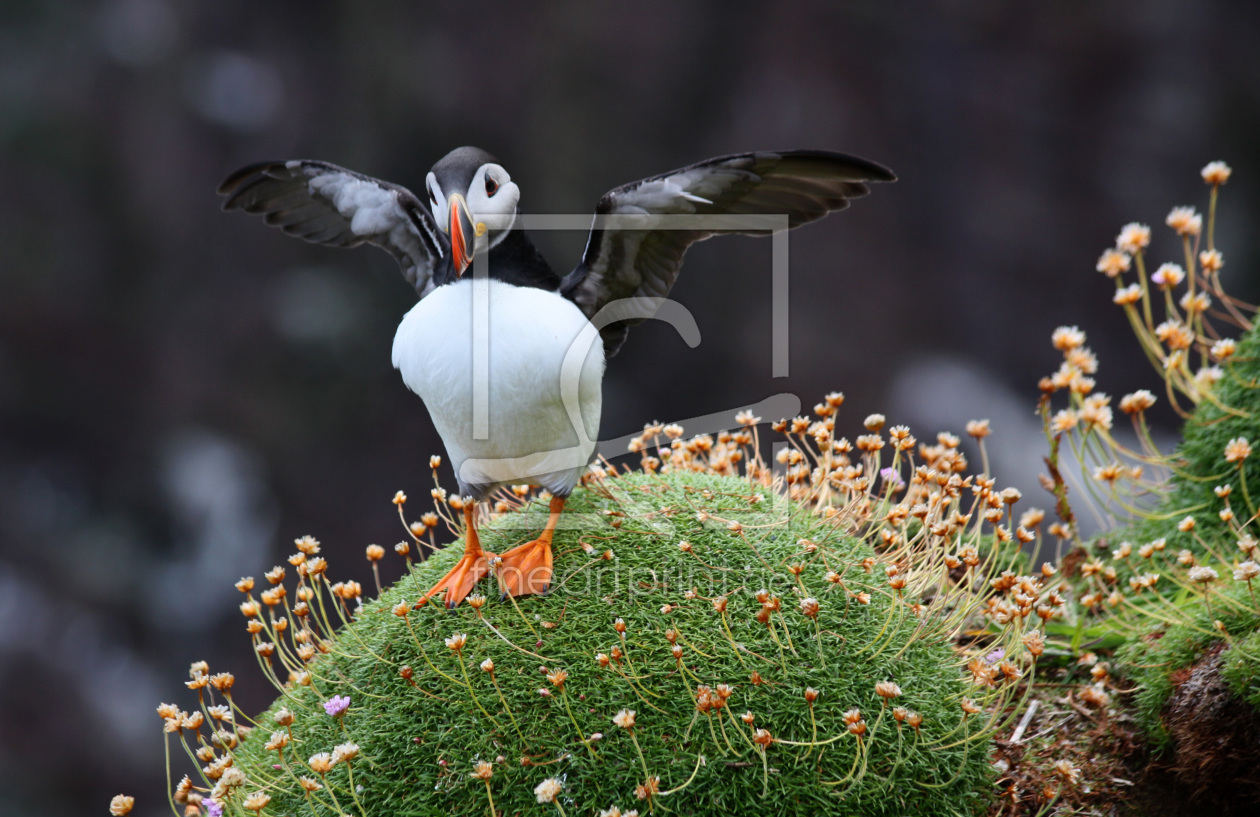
[[618, 263], [327, 204]]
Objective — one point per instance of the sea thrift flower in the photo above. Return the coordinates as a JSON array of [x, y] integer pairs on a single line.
[[1203, 575], [1067, 771], [344, 752], [1133, 238], [1066, 338], [1215, 173], [1127, 295], [887, 690], [337, 705], [1168, 275], [1113, 262], [121, 805], [1184, 220], [978, 429], [1247, 571], [624, 719], [1237, 449], [1139, 400], [257, 801], [547, 790], [1094, 696], [1224, 349]]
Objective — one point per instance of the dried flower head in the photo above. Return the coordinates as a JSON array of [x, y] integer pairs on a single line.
[[1216, 173], [547, 790], [121, 805], [1113, 262], [1237, 450], [1168, 275], [1185, 221], [344, 752], [257, 801], [1066, 338], [1247, 571], [887, 690], [1067, 771], [1133, 238], [1203, 575], [482, 770], [624, 719]]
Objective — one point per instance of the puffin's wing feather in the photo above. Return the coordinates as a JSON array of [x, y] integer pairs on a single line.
[[804, 185], [327, 204]]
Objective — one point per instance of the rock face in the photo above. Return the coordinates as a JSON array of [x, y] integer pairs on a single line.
[[1215, 736]]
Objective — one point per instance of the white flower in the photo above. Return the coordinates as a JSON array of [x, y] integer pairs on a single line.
[[547, 790], [1247, 571], [1216, 172], [1203, 575], [1133, 238]]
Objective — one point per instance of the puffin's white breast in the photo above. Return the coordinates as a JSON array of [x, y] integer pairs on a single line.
[[513, 426]]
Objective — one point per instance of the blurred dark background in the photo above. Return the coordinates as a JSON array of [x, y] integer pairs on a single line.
[[183, 392]]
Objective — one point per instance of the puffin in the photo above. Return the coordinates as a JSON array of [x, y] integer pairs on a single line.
[[508, 355]]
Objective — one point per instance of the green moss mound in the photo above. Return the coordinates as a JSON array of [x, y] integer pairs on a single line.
[[419, 739], [1161, 656], [1235, 412]]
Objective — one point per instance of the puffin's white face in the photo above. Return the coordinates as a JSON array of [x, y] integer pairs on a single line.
[[492, 198]]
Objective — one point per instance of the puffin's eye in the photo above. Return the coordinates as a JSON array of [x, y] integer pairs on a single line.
[[492, 186], [432, 196]]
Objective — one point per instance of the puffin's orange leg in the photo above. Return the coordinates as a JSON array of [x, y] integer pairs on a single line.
[[527, 568], [471, 567]]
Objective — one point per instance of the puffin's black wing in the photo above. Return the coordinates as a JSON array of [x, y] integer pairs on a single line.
[[618, 263], [326, 204]]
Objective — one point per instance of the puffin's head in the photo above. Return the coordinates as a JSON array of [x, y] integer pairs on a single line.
[[471, 196]]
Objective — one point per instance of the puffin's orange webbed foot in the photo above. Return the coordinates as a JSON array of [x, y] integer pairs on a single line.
[[526, 568], [458, 583], [470, 569]]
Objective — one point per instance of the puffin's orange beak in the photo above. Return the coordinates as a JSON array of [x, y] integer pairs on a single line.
[[463, 234]]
